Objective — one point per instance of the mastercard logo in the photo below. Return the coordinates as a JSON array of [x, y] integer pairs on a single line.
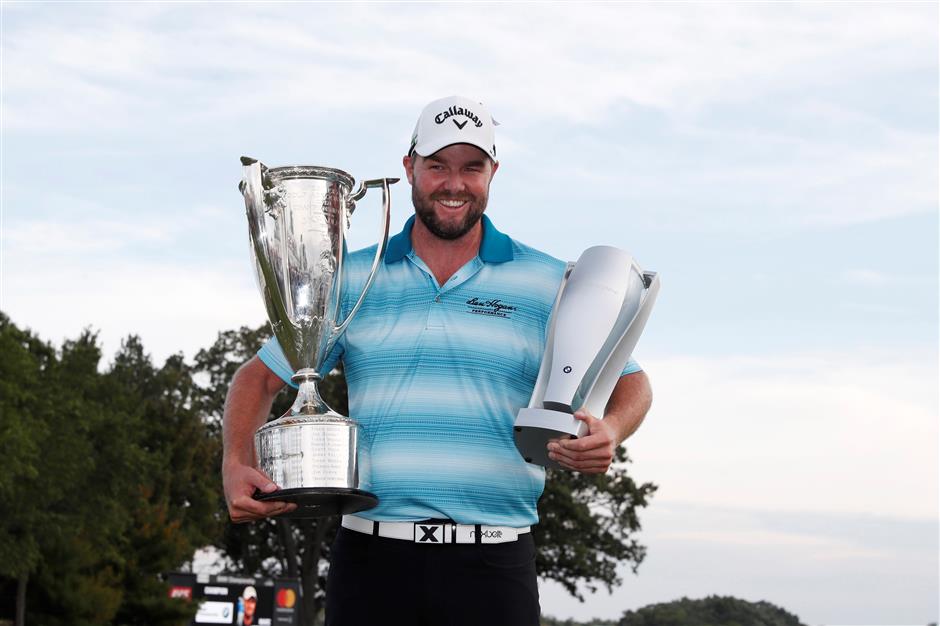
[[286, 598]]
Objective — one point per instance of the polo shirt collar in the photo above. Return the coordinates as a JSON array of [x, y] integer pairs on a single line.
[[496, 247]]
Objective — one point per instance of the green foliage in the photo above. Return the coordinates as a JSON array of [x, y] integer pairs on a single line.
[[588, 524], [550, 621], [710, 611], [23, 363], [111, 483]]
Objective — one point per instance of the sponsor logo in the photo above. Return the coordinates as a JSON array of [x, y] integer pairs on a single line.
[[285, 598], [214, 613], [494, 308], [443, 116], [487, 534], [186, 593], [215, 591], [430, 534]]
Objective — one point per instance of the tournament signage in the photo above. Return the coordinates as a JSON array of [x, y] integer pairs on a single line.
[[239, 601]]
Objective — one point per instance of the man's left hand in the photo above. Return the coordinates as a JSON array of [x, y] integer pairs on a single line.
[[592, 453]]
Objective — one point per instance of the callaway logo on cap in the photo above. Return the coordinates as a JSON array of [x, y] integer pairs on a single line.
[[453, 120]]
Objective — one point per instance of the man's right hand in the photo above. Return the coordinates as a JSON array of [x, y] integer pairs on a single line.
[[247, 406], [240, 482]]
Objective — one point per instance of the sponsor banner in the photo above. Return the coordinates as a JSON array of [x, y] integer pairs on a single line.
[[214, 612], [239, 601]]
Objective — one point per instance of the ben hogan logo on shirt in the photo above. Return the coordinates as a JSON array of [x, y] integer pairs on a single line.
[[495, 308]]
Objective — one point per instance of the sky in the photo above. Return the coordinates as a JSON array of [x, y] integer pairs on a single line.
[[775, 163]]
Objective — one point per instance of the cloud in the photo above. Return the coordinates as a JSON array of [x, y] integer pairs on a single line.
[[92, 236], [868, 278], [827, 569], [742, 180], [124, 276], [172, 308], [839, 432], [576, 65], [732, 118], [91, 230]]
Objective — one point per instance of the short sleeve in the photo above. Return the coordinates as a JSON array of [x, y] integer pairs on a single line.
[[272, 356], [632, 367]]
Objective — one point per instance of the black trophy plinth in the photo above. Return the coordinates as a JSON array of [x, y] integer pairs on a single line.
[[321, 501]]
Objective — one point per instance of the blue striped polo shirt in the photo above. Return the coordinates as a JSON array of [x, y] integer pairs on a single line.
[[436, 375]]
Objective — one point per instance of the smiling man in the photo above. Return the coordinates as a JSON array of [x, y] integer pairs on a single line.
[[443, 353]]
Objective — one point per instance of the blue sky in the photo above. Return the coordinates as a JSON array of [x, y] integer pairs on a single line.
[[775, 162]]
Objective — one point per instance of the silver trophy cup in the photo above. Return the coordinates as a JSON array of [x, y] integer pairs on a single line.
[[599, 313], [297, 221]]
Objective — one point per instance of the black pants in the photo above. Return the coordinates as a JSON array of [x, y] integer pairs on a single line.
[[375, 581]]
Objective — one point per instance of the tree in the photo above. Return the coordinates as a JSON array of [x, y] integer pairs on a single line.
[[60, 523], [588, 523], [173, 504], [23, 431], [550, 621], [111, 482], [710, 611]]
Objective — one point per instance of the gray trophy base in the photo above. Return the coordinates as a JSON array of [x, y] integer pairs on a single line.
[[534, 428], [321, 501]]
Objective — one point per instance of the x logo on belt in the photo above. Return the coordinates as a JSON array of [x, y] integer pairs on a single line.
[[430, 534]]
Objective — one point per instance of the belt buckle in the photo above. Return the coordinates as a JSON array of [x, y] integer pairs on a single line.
[[431, 532]]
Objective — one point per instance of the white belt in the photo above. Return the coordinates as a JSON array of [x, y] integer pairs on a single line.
[[434, 531]]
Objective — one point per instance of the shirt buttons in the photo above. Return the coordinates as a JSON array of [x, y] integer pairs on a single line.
[[437, 299]]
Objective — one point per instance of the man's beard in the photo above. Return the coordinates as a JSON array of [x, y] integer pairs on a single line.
[[424, 209]]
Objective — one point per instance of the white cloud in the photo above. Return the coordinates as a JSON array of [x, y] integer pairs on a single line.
[[854, 432], [868, 277], [567, 63], [173, 309], [91, 232], [800, 157], [94, 235], [827, 569]]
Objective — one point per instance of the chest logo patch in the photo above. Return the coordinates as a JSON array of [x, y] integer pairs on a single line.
[[493, 308]]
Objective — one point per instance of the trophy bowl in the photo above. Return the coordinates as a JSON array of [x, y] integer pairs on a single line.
[[297, 219]]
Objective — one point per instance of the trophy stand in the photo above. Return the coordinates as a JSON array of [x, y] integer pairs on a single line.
[[297, 221]]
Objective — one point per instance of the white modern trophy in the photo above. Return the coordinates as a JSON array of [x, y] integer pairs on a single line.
[[599, 313]]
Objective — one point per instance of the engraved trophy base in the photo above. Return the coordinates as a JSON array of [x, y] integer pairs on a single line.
[[311, 453], [321, 501]]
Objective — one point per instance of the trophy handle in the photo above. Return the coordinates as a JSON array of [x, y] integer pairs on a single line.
[[379, 250], [594, 397]]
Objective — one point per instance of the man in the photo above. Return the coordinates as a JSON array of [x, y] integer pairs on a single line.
[[250, 603], [444, 351]]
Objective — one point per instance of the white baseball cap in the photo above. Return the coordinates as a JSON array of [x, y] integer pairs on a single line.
[[453, 120], [249, 592]]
